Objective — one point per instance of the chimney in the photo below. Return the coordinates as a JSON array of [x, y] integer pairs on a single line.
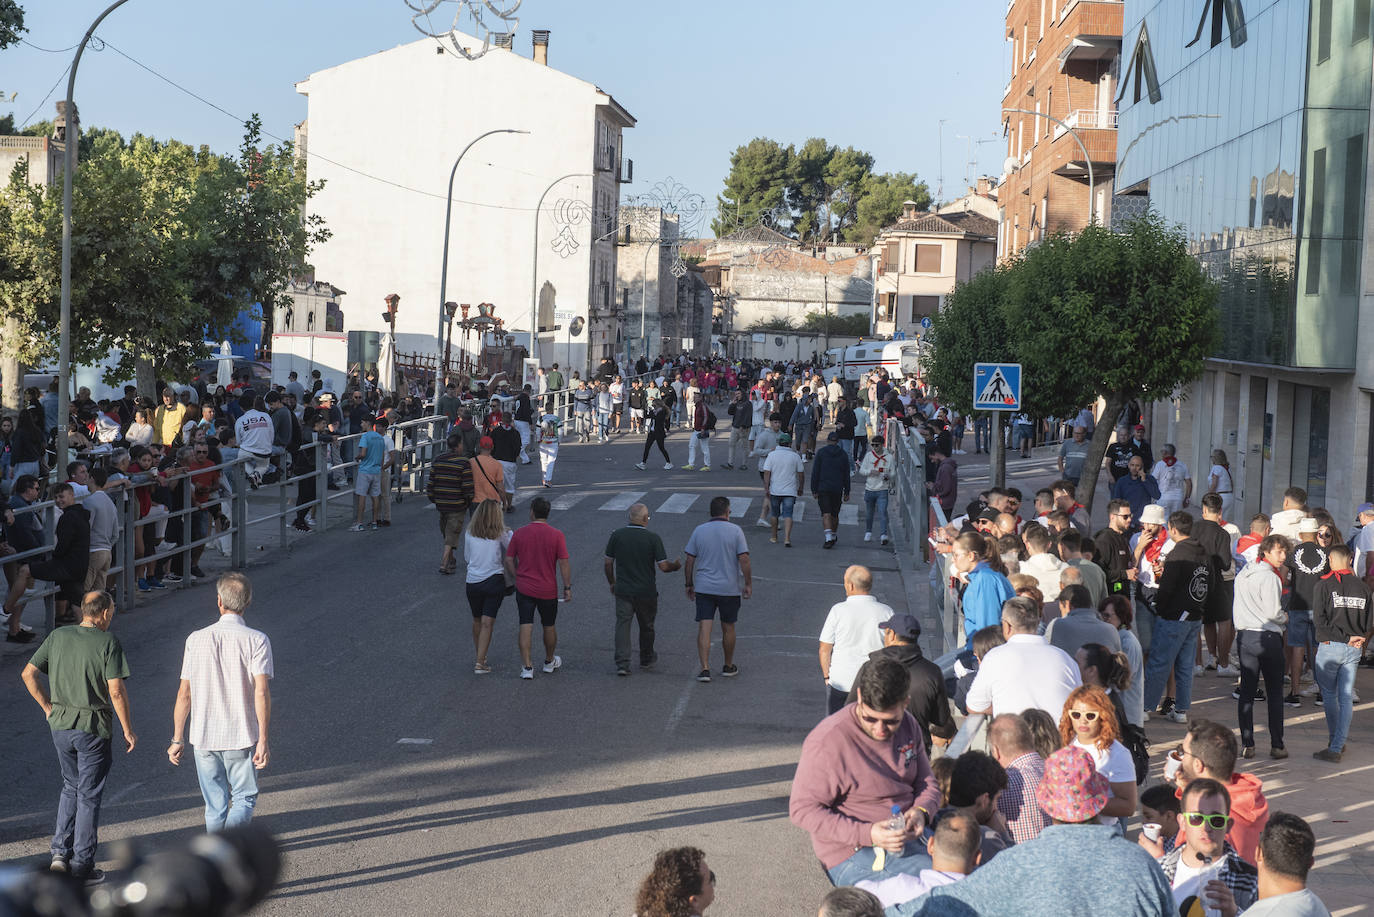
[[504, 40], [540, 38], [908, 210], [59, 124], [984, 186]]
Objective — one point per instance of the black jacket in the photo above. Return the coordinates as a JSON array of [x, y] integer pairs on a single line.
[[1188, 579], [1308, 563], [1114, 557], [72, 551], [743, 414], [505, 444], [927, 700]]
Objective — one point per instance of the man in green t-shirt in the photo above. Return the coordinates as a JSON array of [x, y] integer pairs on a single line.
[[631, 556], [86, 669]]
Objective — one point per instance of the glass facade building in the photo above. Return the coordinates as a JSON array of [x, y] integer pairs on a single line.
[[1246, 122]]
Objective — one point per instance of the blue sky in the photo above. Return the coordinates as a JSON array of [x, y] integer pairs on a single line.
[[702, 77]]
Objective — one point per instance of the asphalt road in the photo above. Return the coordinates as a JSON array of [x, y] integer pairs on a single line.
[[548, 796]]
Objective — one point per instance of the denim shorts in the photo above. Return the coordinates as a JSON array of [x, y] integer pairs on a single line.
[[781, 506], [1301, 631]]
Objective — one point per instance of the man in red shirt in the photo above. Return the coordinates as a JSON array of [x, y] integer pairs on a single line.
[[534, 553]]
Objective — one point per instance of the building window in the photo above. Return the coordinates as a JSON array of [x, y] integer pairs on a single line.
[[1228, 17], [1360, 23], [1311, 438], [886, 302], [928, 259], [1353, 207], [1323, 31], [1316, 222], [1142, 79], [923, 306], [892, 257]]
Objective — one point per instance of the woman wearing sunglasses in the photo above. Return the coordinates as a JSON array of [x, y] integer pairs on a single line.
[[1089, 722]]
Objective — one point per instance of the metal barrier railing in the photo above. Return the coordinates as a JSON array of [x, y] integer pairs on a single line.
[[417, 442]]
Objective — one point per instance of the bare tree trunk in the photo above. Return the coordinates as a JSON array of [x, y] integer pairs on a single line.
[[1097, 448], [11, 369]]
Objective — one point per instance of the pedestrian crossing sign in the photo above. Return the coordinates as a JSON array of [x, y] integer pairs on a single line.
[[997, 386]]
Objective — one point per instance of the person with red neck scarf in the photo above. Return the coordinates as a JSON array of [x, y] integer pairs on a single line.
[[1175, 480], [1260, 624], [1343, 611]]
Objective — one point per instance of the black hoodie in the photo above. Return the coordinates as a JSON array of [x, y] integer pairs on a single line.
[[1189, 573], [927, 700]]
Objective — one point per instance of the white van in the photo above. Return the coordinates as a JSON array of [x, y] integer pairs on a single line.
[[899, 358]]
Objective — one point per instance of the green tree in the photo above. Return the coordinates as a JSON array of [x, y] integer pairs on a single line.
[[881, 204], [756, 185], [971, 328], [838, 325], [11, 23], [824, 188]]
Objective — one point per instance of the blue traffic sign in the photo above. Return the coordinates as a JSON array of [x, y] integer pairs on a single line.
[[997, 386], [899, 335], [925, 322]]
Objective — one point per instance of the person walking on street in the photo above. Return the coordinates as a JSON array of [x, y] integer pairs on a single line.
[[1175, 481], [1344, 620], [741, 423], [657, 426], [765, 441], [703, 422], [830, 485], [450, 489], [372, 448], [225, 691], [852, 631], [484, 545], [536, 557], [1260, 621], [548, 446], [877, 475], [632, 554], [488, 477], [86, 669], [505, 448], [783, 474], [1184, 586], [718, 577]]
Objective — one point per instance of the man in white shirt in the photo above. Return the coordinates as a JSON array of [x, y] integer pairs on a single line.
[[1025, 671], [850, 633], [1285, 521], [783, 471], [1364, 538], [225, 693], [1174, 479]]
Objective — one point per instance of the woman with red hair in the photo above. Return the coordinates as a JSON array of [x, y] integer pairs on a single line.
[[1089, 722]]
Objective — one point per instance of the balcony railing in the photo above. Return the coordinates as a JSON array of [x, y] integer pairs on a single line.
[[1095, 119], [1072, 3]]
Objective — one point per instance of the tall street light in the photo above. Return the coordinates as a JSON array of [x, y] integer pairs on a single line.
[[534, 267], [443, 273], [70, 136], [1087, 160]]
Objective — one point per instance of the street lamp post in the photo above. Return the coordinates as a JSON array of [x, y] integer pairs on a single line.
[[1087, 160], [451, 310], [443, 272], [534, 267], [69, 140]]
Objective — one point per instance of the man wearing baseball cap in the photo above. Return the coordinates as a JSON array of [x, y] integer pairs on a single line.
[[926, 698], [1075, 866]]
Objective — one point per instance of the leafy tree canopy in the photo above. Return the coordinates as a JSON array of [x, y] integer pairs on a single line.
[[11, 23], [815, 193]]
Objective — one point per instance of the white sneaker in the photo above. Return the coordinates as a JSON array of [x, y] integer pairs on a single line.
[[549, 667], [763, 522], [1198, 670], [357, 527], [641, 466], [882, 540], [1310, 691], [1226, 671], [1174, 716], [868, 536], [527, 672], [667, 466]]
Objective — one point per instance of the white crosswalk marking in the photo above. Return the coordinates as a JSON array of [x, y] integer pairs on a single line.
[[623, 501], [678, 503], [849, 514], [567, 500], [739, 507], [523, 496]]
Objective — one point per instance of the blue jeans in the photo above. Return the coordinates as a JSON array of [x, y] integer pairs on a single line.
[[911, 861], [225, 777], [875, 503], [1173, 644], [85, 763], [982, 434], [1334, 669]]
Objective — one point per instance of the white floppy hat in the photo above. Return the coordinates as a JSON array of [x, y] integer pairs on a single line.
[[1152, 515], [1307, 525]]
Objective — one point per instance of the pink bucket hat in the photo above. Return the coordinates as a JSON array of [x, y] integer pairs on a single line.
[[1072, 790]]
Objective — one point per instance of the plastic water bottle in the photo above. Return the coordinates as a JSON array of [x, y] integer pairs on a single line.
[[897, 822], [1213, 871]]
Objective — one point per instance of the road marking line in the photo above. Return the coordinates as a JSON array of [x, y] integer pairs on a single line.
[[804, 582], [623, 501], [849, 514], [678, 503], [414, 741], [567, 501], [523, 496], [739, 506], [676, 716], [124, 793]]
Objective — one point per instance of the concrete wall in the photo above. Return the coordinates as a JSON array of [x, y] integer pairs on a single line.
[[402, 116], [42, 159]]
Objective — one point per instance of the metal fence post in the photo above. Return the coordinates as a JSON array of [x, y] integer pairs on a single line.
[[50, 537], [281, 510], [128, 508], [187, 531], [321, 485], [239, 517]]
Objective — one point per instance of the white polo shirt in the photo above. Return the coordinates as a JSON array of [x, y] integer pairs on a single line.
[[1024, 672], [852, 629]]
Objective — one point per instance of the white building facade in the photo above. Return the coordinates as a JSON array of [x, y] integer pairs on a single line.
[[384, 131]]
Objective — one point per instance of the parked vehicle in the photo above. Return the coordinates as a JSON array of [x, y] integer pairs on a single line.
[[899, 358]]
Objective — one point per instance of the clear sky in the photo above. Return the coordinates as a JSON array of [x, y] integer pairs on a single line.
[[701, 77]]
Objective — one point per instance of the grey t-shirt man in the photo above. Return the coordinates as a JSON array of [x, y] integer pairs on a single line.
[[1080, 627], [717, 545]]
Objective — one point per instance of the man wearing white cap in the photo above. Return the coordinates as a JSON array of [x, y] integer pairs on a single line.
[[1307, 564]]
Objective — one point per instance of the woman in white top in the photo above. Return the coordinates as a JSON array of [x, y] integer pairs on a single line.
[[484, 545], [1089, 723], [1219, 481], [140, 432]]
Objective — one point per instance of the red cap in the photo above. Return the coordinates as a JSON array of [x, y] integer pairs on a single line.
[[485, 443]]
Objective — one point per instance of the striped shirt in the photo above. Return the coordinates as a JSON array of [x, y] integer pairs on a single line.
[[221, 663], [450, 483]]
